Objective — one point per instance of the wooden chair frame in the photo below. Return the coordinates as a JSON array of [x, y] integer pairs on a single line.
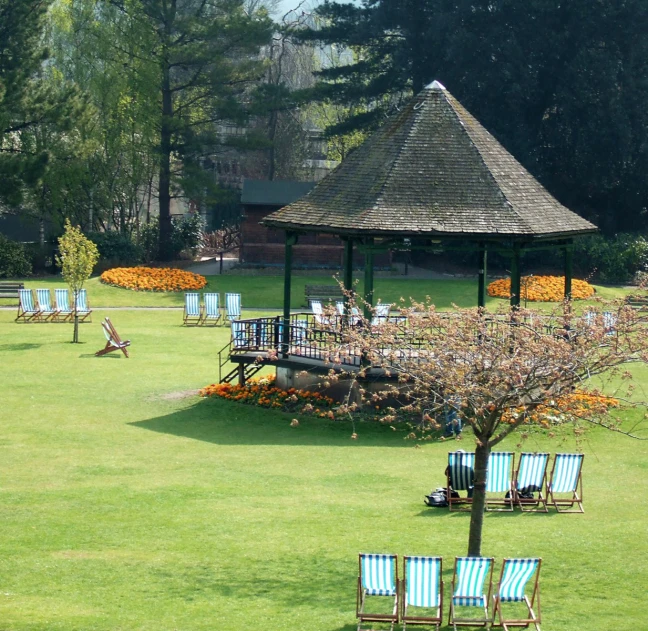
[[506, 503], [463, 503], [407, 618], [471, 622], [541, 499], [577, 492], [34, 315], [364, 616], [48, 313], [114, 342], [532, 618], [191, 319]]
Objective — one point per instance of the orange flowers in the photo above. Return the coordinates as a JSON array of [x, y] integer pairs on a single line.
[[263, 392], [153, 279], [541, 288]]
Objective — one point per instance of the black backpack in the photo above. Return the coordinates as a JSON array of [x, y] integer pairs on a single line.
[[439, 498]]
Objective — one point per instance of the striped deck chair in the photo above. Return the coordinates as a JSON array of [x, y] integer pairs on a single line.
[[47, 311], [378, 576], [233, 306], [318, 313], [212, 313], [468, 580], [83, 307], [244, 334], [65, 312], [460, 476], [192, 312], [113, 340], [531, 477], [566, 478], [515, 575], [499, 479], [609, 322], [27, 310], [423, 589], [381, 314]]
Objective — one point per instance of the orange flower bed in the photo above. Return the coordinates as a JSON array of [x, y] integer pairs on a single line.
[[541, 289], [153, 279], [262, 391]]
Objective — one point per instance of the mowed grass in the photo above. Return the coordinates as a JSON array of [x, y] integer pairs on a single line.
[[266, 292], [128, 503]]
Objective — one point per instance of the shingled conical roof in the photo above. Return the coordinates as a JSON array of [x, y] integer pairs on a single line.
[[432, 170]]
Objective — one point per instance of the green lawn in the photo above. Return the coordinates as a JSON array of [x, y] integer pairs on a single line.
[[266, 292], [128, 503]]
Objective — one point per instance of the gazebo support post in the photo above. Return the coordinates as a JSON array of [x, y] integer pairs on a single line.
[[569, 271], [368, 279], [347, 274], [516, 280], [291, 239], [481, 289]]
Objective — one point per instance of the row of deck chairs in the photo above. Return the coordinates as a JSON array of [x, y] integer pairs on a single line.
[[418, 598], [209, 312], [40, 308], [528, 486], [381, 313]]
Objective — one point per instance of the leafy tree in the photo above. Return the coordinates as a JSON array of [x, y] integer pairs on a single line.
[[77, 258], [27, 102], [501, 374], [562, 85]]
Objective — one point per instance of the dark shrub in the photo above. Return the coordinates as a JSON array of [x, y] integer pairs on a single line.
[[14, 260]]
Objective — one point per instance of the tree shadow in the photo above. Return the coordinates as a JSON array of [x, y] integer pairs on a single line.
[[225, 423], [24, 346], [93, 356]]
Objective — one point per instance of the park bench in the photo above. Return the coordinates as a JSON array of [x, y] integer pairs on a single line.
[[638, 302], [324, 293], [10, 289]]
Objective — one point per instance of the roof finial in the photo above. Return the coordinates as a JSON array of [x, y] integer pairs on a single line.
[[435, 85]]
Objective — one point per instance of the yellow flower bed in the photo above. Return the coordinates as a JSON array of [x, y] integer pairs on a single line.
[[153, 279], [541, 289]]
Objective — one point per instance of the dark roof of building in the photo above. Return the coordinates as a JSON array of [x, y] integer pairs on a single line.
[[432, 169], [273, 192]]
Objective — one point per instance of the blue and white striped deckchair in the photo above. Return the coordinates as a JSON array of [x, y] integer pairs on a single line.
[[318, 313], [192, 311], [609, 322], [378, 576], [212, 312], [470, 574], [47, 311], [244, 334], [499, 479], [27, 310], [460, 477], [515, 575], [381, 314], [423, 589], [233, 306], [63, 305], [566, 477], [531, 477], [82, 306]]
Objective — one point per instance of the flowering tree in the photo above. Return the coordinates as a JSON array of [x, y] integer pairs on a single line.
[[499, 373], [77, 257]]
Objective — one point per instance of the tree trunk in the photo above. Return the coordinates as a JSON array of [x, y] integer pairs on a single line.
[[165, 252], [75, 335], [482, 451]]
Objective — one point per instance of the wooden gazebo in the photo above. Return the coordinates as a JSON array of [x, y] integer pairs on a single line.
[[431, 174]]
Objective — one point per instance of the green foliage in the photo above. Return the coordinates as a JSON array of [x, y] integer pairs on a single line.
[[613, 260], [77, 256], [14, 259], [186, 232], [115, 246]]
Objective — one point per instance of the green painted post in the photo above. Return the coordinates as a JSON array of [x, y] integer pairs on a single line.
[[347, 274], [291, 239], [481, 290], [569, 272], [368, 279], [515, 276]]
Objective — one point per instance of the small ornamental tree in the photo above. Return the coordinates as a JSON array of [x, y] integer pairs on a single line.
[[501, 373], [77, 258]]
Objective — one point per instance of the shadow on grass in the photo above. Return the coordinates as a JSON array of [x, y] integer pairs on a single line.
[[93, 356], [225, 423], [24, 346]]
